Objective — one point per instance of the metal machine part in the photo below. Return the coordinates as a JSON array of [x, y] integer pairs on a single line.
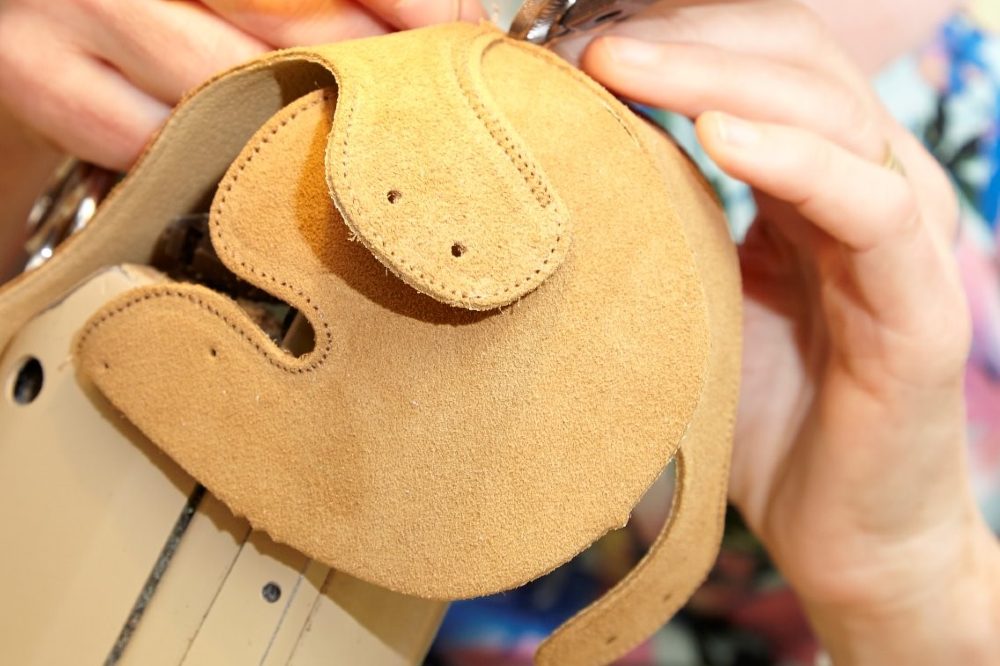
[[65, 208], [547, 21]]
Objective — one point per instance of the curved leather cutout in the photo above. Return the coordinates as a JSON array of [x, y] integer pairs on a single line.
[[429, 449]]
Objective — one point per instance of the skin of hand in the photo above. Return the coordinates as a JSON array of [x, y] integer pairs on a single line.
[[850, 458], [97, 77], [26, 165]]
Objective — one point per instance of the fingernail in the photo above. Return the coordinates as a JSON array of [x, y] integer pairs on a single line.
[[632, 52], [736, 132], [419, 13]]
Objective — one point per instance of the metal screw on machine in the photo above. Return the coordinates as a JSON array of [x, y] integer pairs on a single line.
[[546, 21]]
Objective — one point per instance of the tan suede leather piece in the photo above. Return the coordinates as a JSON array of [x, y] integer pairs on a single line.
[[682, 555], [432, 450], [414, 195], [435, 450], [178, 170]]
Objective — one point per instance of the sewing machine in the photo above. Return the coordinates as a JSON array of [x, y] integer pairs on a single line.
[[110, 552]]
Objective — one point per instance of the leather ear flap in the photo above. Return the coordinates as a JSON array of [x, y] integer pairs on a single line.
[[406, 171]]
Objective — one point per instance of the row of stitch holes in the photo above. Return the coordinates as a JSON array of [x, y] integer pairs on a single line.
[[394, 196]]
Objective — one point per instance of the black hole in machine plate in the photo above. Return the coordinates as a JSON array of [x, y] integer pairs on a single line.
[[271, 592], [28, 382]]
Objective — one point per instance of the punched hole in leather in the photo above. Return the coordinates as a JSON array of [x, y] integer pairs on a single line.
[[446, 438]]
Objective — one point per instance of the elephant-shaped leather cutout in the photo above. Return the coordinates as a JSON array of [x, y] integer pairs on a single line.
[[524, 302]]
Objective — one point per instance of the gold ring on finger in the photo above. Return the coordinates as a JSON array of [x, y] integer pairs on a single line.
[[891, 161]]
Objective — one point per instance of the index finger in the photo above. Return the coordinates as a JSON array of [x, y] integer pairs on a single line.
[[285, 23], [420, 13], [780, 30]]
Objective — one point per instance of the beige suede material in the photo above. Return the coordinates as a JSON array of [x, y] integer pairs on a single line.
[[436, 450], [682, 555]]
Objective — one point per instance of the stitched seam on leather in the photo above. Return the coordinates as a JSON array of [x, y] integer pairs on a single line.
[[226, 248], [507, 142], [492, 125], [173, 292], [422, 274]]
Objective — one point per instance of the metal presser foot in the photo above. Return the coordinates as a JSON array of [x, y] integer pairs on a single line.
[[546, 22]]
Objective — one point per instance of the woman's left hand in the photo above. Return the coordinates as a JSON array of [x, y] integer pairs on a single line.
[[849, 460]]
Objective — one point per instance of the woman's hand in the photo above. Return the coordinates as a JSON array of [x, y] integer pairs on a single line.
[[850, 454], [97, 77]]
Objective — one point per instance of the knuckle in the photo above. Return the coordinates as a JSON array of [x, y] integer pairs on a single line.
[[103, 144], [110, 139], [813, 158], [840, 114], [798, 18], [823, 157], [902, 211], [673, 23]]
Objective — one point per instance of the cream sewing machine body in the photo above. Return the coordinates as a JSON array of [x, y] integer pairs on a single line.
[[112, 554]]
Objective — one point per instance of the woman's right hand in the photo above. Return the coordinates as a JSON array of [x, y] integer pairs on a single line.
[[97, 77]]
